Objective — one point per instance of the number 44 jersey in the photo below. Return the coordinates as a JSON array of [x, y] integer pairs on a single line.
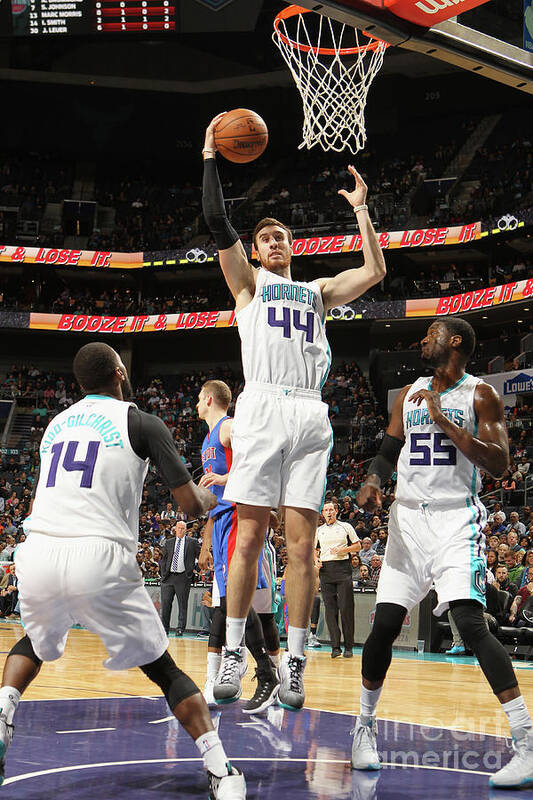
[[283, 334], [430, 468], [90, 480]]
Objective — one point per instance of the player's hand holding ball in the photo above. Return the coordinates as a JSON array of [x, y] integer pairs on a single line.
[[239, 135]]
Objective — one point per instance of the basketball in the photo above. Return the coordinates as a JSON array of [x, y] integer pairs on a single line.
[[241, 135]]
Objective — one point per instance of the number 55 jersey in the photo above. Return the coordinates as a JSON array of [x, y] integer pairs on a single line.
[[281, 436], [91, 479], [430, 468]]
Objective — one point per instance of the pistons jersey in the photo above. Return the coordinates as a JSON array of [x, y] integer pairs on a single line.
[[283, 334], [216, 458], [90, 480], [431, 469]]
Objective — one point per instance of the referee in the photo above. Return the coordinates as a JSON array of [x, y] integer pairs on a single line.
[[333, 538]]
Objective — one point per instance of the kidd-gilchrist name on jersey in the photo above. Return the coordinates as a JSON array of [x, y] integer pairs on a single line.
[[283, 334], [91, 480], [430, 468]]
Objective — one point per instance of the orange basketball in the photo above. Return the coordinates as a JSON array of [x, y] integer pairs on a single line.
[[241, 135]]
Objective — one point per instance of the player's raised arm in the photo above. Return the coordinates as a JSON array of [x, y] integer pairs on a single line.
[[383, 465], [239, 274], [489, 448], [352, 283]]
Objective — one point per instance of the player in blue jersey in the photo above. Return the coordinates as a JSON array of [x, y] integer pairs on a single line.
[[281, 434], [442, 431], [220, 533]]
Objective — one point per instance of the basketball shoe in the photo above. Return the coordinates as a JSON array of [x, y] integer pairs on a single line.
[[519, 771], [291, 693], [365, 745], [313, 641], [227, 687], [230, 787], [6, 735], [265, 693], [209, 697]]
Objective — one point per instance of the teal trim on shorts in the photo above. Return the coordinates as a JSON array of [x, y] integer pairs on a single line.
[[326, 478], [475, 591]]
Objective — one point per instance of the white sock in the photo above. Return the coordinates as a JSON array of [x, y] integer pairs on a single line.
[[9, 700], [296, 640], [213, 664], [275, 659], [212, 752], [369, 701], [517, 713], [234, 632]]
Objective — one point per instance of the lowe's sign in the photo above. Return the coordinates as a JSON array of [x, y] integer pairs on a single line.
[[519, 384]]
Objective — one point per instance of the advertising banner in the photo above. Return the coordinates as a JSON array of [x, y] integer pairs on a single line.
[[475, 300], [86, 323]]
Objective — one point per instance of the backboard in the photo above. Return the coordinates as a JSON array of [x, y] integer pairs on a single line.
[[486, 40]]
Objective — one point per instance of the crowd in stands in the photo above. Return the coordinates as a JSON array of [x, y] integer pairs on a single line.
[[160, 209], [359, 426], [51, 294]]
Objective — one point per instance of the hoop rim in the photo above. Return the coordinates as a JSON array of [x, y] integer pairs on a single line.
[[294, 10]]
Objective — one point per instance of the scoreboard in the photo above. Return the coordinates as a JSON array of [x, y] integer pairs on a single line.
[[82, 17]]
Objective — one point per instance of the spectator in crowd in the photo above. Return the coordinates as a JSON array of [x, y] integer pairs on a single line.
[[498, 525], [492, 560], [502, 550], [375, 569], [496, 509], [363, 581], [502, 580], [515, 526], [514, 569], [381, 543], [367, 551], [356, 565], [519, 601], [168, 513]]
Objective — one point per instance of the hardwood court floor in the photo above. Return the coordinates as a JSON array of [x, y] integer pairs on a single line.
[[426, 692]]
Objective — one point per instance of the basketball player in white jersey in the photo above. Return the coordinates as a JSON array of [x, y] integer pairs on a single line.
[[78, 563], [281, 434], [442, 431]]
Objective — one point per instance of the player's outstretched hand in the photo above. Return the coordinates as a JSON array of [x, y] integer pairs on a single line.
[[357, 197], [213, 479], [369, 497], [209, 143]]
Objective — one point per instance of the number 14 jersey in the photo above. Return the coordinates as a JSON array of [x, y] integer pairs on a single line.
[[283, 334], [91, 479], [430, 468]]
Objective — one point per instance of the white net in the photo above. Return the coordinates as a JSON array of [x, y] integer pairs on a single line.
[[333, 66]]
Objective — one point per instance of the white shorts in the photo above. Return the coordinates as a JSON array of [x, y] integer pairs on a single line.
[[93, 582], [263, 600], [281, 440], [426, 546]]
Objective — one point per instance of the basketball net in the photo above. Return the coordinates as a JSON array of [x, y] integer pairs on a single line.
[[333, 68]]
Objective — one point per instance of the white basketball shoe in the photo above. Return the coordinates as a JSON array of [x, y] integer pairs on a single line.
[[365, 746], [519, 771]]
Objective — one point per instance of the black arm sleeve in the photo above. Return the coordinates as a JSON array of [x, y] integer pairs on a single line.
[[150, 438], [213, 205], [384, 463]]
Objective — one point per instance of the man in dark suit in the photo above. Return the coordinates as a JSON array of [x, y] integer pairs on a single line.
[[8, 593], [177, 564]]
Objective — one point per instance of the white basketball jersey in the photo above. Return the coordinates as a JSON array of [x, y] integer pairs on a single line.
[[90, 480], [430, 468], [283, 334]]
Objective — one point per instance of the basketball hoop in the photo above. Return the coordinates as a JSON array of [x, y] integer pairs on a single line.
[[333, 68]]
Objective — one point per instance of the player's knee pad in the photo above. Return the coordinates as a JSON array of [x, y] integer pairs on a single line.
[[217, 631], [173, 682], [388, 622], [270, 632], [377, 652], [468, 616], [24, 647], [491, 654]]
